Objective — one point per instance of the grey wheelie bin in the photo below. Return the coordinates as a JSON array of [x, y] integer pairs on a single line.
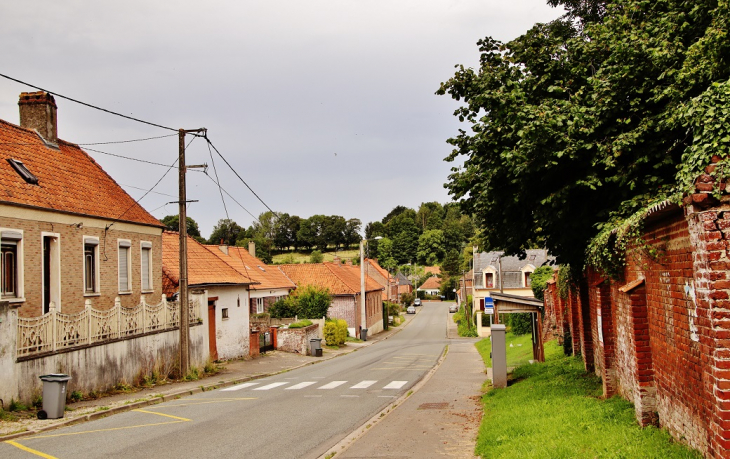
[[54, 395], [315, 347]]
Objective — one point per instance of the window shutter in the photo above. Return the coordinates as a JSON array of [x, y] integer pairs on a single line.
[[146, 269], [123, 269]]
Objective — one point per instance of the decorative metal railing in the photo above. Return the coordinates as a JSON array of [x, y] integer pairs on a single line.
[[56, 331]]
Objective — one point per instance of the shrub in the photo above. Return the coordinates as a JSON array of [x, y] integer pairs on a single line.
[[313, 302], [539, 279], [301, 324], [316, 257], [407, 299], [341, 331], [16, 405], [285, 307], [330, 333], [521, 324]]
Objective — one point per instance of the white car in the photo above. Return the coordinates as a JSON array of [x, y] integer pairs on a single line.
[[411, 309], [417, 302]]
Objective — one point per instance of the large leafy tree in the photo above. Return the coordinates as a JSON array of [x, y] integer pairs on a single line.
[[431, 247], [226, 231], [172, 222], [583, 121]]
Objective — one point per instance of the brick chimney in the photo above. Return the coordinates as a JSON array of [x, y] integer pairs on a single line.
[[252, 248], [38, 111]]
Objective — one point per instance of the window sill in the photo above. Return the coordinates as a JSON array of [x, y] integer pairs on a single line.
[[92, 294], [125, 293], [148, 291], [14, 300]]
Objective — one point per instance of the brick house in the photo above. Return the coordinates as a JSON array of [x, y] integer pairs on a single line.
[[343, 282], [69, 233], [224, 288], [382, 277], [270, 283]]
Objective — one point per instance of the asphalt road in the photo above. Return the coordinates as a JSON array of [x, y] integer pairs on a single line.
[[299, 414]]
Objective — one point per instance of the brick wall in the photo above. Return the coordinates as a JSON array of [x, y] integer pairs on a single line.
[[70, 239], [296, 339]]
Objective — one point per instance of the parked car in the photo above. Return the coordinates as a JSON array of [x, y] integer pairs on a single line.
[[411, 309], [417, 302], [453, 307]]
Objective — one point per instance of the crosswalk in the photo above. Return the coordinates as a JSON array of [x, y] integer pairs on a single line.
[[262, 385]]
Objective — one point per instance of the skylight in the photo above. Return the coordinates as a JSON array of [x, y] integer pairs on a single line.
[[23, 171]]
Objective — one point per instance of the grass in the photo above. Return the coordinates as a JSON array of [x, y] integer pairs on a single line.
[[303, 257], [554, 410], [519, 353]]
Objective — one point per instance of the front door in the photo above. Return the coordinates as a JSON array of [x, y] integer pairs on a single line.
[[211, 331]]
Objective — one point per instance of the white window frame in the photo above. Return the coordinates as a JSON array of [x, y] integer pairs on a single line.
[[259, 305], [526, 269], [19, 265], [55, 277], [124, 244], [91, 240], [145, 251], [493, 272]]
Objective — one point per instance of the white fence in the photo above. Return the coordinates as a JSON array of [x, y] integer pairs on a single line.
[[55, 331]]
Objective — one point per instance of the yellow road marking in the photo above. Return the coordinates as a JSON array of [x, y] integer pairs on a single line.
[[29, 450], [163, 414], [105, 430]]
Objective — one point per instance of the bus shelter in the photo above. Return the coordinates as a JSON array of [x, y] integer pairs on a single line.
[[514, 304]]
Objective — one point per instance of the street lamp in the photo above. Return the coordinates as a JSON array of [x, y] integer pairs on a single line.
[[363, 314]]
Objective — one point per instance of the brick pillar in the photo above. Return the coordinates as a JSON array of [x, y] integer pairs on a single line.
[[254, 344], [575, 322], [604, 323], [645, 402], [586, 336]]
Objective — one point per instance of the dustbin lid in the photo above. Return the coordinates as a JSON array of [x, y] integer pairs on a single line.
[[315, 339], [55, 377]]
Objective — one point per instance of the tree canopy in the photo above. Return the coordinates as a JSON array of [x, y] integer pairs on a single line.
[[584, 121]]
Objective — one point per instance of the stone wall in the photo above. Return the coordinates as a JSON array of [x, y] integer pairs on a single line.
[[296, 339]]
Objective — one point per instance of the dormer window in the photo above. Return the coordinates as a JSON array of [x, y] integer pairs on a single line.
[[23, 171]]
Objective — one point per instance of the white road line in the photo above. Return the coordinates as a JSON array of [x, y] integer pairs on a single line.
[[332, 385], [350, 396], [363, 385], [396, 385], [301, 385], [239, 386], [271, 386]]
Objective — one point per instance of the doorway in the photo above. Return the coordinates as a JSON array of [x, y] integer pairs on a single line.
[[213, 349]]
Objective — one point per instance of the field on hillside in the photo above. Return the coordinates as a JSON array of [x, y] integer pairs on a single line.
[[303, 257]]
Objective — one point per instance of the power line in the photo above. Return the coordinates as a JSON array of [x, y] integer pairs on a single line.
[[130, 141], [230, 196], [237, 175], [89, 105], [145, 189], [126, 157]]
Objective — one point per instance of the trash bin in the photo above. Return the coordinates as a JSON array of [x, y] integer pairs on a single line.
[[54, 395], [364, 334], [315, 346]]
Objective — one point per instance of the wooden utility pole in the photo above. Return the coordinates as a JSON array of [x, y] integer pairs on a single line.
[[183, 297]]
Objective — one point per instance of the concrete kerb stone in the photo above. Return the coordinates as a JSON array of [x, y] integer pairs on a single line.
[[346, 442], [182, 393]]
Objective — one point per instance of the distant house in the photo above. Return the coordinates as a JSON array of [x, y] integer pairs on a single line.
[[432, 286], [70, 235], [226, 291], [382, 277], [494, 272], [403, 284], [343, 282], [271, 284]]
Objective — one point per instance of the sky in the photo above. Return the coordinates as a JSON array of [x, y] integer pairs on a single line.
[[320, 106]]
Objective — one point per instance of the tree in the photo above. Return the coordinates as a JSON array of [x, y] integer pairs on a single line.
[[397, 210], [385, 254], [582, 122], [316, 257], [285, 231], [172, 223], [431, 247], [430, 216], [352, 232], [313, 302], [226, 231], [333, 231], [539, 279]]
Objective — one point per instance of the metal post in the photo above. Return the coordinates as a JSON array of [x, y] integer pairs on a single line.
[[363, 316], [183, 230]]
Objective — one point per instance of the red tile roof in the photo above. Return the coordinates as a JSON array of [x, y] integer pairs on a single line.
[[338, 279], [69, 180], [383, 272], [431, 283], [268, 277], [435, 270], [204, 267]]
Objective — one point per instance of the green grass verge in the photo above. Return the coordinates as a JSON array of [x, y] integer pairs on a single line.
[[519, 349], [554, 410]]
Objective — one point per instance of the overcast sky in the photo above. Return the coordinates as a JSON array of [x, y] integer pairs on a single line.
[[322, 106]]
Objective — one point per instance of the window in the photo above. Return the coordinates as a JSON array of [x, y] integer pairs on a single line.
[[124, 265], [91, 262], [224, 313], [259, 305], [528, 281], [146, 266], [23, 171], [489, 280], [11, 268]]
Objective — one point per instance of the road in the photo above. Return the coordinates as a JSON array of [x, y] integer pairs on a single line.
[[299, 414]]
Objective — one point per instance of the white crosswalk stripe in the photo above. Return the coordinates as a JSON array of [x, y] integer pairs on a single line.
[[301, 385], [271, 386], [396, 385], [239, 386], [333, 384], [363, 385]]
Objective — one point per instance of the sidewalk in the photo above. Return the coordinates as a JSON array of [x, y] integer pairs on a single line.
[[440, 419], [233, 372]]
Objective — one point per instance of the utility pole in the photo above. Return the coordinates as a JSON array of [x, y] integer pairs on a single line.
[[183, 231]]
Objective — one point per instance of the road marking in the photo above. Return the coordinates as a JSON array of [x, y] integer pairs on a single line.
[[163, 414], [220, 400], [271, 386], [301, 385], [313, 396], [239, 387], [396, 385], [386, 396], [29, 450], [34, 437], [363, 385], [333, 384], [350, 396]]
